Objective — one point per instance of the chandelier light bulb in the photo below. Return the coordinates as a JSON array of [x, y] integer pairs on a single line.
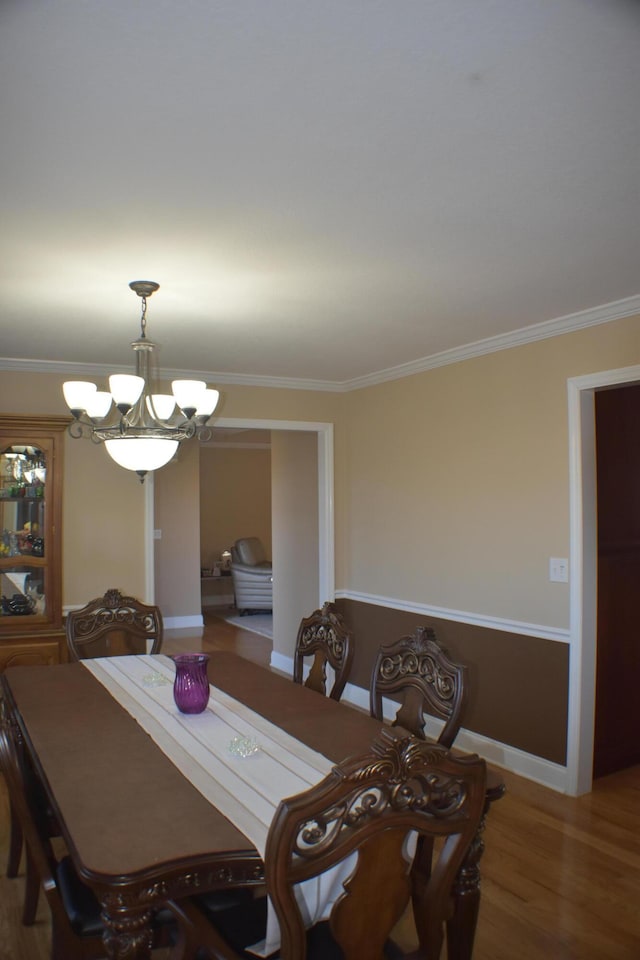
[[99, 405], [161, 405], [77, 394], [207, 403], [125, 389], [141, 454], [188, 394]]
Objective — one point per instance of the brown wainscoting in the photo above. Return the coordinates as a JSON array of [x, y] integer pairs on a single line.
[[518, 684]]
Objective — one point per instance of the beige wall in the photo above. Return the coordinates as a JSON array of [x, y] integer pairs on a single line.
[[295, 533], [267, 403], [235, 499], [177, 517], [457, 489], [104, 536]]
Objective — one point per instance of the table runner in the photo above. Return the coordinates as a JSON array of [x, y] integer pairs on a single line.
[[246, 790]]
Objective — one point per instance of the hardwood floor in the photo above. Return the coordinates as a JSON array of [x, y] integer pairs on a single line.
[[560, 876], [219, 635]]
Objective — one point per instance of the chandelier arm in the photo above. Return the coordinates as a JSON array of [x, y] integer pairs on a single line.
[[79, 428]]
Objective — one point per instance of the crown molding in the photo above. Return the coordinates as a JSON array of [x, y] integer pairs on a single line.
[[616, 310], [105, 369], [605, 313]]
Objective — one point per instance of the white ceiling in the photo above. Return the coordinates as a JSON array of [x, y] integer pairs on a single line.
[[323, 190]]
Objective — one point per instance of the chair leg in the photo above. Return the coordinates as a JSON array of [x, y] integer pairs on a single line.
[[59, 943], [31, 893], [420, 874], [15, 844], [195, 936]]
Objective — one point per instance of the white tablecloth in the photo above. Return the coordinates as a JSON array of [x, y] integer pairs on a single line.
[[246, 790]]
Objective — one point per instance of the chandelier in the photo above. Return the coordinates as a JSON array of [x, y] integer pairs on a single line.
[[140, 429]]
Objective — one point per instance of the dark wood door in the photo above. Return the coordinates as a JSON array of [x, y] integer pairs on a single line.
[[617, 720]]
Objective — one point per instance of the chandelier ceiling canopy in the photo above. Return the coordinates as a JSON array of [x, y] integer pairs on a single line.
[[141, 429]]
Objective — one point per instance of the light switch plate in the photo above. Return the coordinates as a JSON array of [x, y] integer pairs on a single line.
[[558, 570]]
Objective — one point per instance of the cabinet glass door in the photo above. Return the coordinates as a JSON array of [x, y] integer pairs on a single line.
[[23, 530]]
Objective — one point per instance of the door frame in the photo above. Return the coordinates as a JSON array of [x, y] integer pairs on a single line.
[[326, 533], [583, 564]]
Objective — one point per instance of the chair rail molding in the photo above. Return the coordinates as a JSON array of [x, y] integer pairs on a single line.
[[559, 634]]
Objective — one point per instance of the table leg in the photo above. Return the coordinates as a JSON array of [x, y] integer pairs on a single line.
[[128, 934], [15, 845], [461, 927]]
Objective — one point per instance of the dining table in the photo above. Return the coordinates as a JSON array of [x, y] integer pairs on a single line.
[[139, 831]]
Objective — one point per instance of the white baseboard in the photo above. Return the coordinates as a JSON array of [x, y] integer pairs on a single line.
[[182, 623], [282, 663], [552, 775]]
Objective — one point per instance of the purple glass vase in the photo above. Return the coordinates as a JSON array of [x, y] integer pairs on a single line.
[[191, 684]]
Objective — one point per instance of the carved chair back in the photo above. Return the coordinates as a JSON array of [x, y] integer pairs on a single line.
[[113, 626], [373, 804], [419, 669], [370, 804], [325, 637]]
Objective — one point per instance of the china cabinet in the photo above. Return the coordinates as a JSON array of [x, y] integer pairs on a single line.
[[31, 457]]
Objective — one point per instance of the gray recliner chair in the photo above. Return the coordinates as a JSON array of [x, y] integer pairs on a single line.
[[252, 575]]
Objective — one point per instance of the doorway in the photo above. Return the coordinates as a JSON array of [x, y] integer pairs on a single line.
[[235, 501], [184, 573], [617, 415], [584, 569]]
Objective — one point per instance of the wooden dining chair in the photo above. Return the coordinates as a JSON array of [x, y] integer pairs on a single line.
[[16, 843], [76, 924], [371, 804], [107, 626], [113, 626], [16, 839], [419, 669], [324, 636], [66, 943]]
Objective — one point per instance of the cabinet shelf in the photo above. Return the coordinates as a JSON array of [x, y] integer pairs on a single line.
[[22, 560], [22, 500]]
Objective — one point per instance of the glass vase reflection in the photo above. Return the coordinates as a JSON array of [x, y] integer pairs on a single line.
[[191, 684]]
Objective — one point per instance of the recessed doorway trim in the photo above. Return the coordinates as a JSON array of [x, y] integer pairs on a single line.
[[326, 537], [583, 554]]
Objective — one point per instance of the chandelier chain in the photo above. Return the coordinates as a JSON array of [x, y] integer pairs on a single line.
[[143, 318]]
